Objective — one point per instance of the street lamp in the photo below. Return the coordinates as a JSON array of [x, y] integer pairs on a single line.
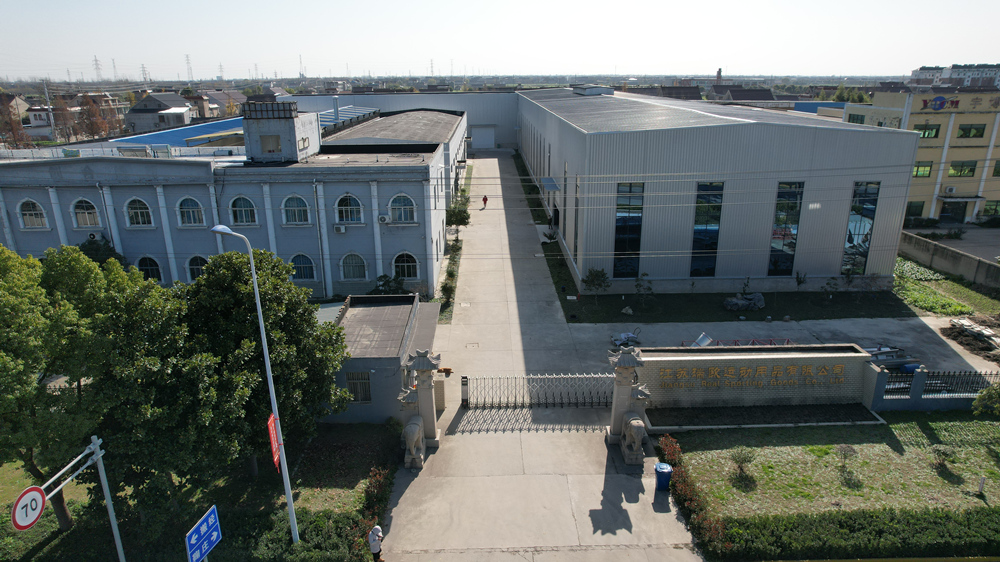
[[223, 229]]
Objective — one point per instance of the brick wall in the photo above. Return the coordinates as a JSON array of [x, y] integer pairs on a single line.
[[750, 377]]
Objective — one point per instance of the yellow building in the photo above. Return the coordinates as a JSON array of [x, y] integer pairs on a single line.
[[956, 173]]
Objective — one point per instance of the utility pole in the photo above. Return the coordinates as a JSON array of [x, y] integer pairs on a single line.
[[432, 67], [114, 69], [52, 120], [221, 76], [145, 75], [97, 68], [187, 59], [255, 73], [68, 77]]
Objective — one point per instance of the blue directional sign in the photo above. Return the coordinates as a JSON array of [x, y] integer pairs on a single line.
[[203, 537]]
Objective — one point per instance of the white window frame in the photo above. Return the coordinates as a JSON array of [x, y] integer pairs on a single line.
[[232, 212], [417, 265], [191, 278], [312, 264], [413, 205], [159, 268], [97, 213], [361, 211], [284, 210], [181, 211], [20, 215], [364, 262], [128, 215]]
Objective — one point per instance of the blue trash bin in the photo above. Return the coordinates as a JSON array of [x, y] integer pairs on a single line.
[[663, 473]]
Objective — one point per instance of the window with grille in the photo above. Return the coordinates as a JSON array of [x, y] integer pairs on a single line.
[[360, 387], [149, 268], [303, 267], [32, 215], [86, 214], [243, 211], [405, 266], [354, 267], [971, 131], [191, 212], [296, 211], [196, 266], [856, 118], [922, 169], [138, 213], [401, 209], [349, 209], [927, 131], [962, 169]]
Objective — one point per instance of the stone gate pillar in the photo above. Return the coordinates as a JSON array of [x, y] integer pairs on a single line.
[[425, 364], [624, 362]]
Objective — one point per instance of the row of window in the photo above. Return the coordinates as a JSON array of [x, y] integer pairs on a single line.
[[353, 267], [294, 209], [708, 218], [928, 131], [957, 169]]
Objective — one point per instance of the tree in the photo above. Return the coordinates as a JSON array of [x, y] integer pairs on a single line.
[[596, 281], [231, 109], [988, 400], [64, 120], [91, 121], [42, 428], [102, 251], [742, 457], [305, 354], [385, 285], [841, 94], [12, 131], [644, 289]]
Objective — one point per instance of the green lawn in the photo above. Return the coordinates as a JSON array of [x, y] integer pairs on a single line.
[[798, 470], [331, 473]]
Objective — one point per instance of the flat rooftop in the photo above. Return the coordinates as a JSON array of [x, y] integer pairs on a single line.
[[409, 127], [625, 112], [376, 327]]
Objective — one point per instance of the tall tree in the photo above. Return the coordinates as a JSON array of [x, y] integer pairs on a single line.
[[91, 120], [12, 131], [305, 354], [41, 427]]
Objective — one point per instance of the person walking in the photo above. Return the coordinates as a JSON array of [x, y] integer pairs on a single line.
[[375, 542], [485, 199]]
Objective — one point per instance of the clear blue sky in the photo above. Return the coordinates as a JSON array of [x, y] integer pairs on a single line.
[[395, 37]]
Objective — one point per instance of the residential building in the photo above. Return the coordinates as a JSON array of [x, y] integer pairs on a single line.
[[956, 177], [230, 102], [159, 111], [959, 75]]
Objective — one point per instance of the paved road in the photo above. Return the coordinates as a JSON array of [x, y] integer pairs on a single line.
[[536, 484]]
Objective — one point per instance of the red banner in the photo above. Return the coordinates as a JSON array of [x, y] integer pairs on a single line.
[[273, 432]]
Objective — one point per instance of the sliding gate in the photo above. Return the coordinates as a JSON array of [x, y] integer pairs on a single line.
[[525, 391]]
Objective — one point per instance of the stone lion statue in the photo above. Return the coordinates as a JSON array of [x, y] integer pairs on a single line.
[[413, 435], [633, 431]]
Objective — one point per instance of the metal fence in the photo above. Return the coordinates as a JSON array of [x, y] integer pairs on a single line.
[[524, 391], [940, 384]]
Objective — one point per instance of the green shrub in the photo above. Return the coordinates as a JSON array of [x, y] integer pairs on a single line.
[[990, 222], [742, 457], [448, 290], [926, 298], [880, 533], [920, 222], [670, 451], [911, 270]]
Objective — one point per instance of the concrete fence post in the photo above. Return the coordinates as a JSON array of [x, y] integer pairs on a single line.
[[918, 383]]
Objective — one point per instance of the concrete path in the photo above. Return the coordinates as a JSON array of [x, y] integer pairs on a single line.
[[522, 484]]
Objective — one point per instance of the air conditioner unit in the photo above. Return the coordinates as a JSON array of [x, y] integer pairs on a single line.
[[339, 228], [96, 236], [384, 219], [950, 189]]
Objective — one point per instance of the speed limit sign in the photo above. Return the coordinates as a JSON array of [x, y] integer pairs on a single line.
[[28, 508]]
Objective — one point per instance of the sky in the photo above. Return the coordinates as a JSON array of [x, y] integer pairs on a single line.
[[472, 37]]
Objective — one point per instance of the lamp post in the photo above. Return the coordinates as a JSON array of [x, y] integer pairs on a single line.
[[222, 229]]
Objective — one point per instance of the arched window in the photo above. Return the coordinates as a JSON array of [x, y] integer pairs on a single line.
[[85, 214], [243, 211], [32, 215], [303, 267], [149, 268], [191, 212], [405, 266], [353, 267], [138, 213], [349, 209], [195, 266], [401, 209], [296, 210]]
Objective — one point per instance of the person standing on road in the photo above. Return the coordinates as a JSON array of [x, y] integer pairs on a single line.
[[375, 542], [485, 199]]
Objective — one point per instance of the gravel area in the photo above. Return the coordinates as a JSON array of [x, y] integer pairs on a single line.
[[755, 415]]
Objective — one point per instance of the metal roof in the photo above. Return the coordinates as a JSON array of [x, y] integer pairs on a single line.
[[346, 113], [375, 329], [625, 112]]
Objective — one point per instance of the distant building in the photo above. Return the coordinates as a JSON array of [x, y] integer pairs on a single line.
[[748, 94], [230, 102], [956, 174], [159, 111], [958, 75]]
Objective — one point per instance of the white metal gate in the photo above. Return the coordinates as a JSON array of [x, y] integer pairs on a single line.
[[545, 390]]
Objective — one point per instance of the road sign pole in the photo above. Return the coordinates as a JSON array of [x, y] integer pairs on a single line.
[[98, 453]]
